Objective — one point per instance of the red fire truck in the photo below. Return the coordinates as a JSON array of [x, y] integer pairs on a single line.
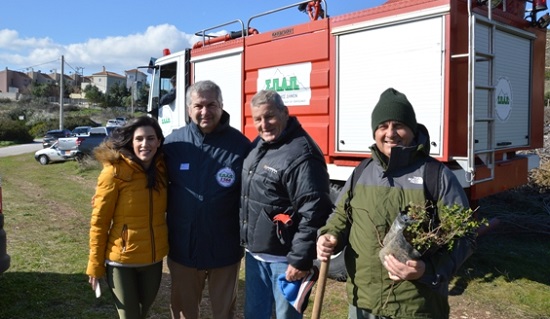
[[473, 70]]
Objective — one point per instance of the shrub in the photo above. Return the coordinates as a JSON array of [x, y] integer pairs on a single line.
[[416, 232], [454, 222], [88, 163], [541, 176], [74, 121], [15, 131], [39, 129], [25, 111]]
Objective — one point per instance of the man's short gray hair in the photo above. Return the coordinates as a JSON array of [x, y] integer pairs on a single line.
[[203, 86], [269, 97]]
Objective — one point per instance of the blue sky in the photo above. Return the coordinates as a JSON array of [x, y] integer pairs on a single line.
[[123, 34]]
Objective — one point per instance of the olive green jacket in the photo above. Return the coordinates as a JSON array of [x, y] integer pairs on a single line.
[[382, 191]]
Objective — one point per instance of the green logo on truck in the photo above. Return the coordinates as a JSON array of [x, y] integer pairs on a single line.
[[282, 84], [291, 81], [503, 99]]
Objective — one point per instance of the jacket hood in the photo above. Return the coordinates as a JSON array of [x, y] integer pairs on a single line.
[[105, 154], [402, 156]]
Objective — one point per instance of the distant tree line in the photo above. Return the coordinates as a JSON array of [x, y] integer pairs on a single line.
[[118, 94]]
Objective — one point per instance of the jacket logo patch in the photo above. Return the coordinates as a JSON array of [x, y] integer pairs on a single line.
[[225, 177], [270, 169], [416, 180]]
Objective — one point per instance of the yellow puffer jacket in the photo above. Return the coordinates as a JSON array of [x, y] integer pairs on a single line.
[[128, 223]]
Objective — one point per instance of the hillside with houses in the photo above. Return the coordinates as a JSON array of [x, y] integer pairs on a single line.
[[15, 85]]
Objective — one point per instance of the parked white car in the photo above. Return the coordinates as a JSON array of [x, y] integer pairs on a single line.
[[54, 154], [114, 123], [121, 120]]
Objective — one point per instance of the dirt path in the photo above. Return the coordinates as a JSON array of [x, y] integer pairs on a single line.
[[464, 308]]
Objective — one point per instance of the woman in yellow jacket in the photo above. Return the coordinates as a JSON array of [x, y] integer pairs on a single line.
[[128, 234]]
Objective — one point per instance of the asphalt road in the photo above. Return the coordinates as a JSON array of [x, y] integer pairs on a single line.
[[20, 149]]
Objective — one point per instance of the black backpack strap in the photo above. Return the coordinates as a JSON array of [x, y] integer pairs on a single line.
[[354, 177], [432, 179]]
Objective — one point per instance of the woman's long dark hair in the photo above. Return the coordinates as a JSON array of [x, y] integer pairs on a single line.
[[122, 140]]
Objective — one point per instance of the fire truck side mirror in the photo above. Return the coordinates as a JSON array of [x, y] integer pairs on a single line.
[[544, 21]]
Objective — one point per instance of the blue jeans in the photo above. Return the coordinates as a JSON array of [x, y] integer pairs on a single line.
[[263, 292]]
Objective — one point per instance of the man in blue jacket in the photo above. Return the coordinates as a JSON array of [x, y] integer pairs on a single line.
[[284, 200], [204, 160]]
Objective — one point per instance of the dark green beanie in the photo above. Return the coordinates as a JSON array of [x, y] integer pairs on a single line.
[[393, 106]]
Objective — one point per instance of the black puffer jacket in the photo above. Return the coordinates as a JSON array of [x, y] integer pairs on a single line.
[[287, 175]]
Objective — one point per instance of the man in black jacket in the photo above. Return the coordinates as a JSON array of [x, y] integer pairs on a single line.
[[284, 200]]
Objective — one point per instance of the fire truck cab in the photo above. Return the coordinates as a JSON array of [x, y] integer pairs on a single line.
[[472, 69]]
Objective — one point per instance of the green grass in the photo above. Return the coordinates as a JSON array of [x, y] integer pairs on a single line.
[[6, 143], [47, 210], [511, 273], [47, 221]]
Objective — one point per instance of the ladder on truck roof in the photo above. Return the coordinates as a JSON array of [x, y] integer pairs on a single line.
[[481, 96]]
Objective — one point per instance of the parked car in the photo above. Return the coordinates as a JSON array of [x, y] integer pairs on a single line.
[[114, 123], [97, 135], [54, 154], [51, 137], [70, 143], [85, 144], [81, 131], [4, 257]]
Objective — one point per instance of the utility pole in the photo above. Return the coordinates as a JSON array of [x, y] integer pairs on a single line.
[[79, 79], [134, 91], [79, 75], [61, 89], [132, 95]]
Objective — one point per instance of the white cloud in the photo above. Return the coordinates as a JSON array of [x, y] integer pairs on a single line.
[[117, 53], [9, 40]]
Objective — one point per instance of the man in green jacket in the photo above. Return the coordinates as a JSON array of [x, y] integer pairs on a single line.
[[415, 288]]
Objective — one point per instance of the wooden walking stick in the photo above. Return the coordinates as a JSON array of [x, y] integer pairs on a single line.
[[320, 290]]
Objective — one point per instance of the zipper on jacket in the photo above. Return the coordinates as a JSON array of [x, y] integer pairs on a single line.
[[151, 229], [124, 237]]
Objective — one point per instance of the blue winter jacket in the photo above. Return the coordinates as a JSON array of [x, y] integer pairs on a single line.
[[203, 194]]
